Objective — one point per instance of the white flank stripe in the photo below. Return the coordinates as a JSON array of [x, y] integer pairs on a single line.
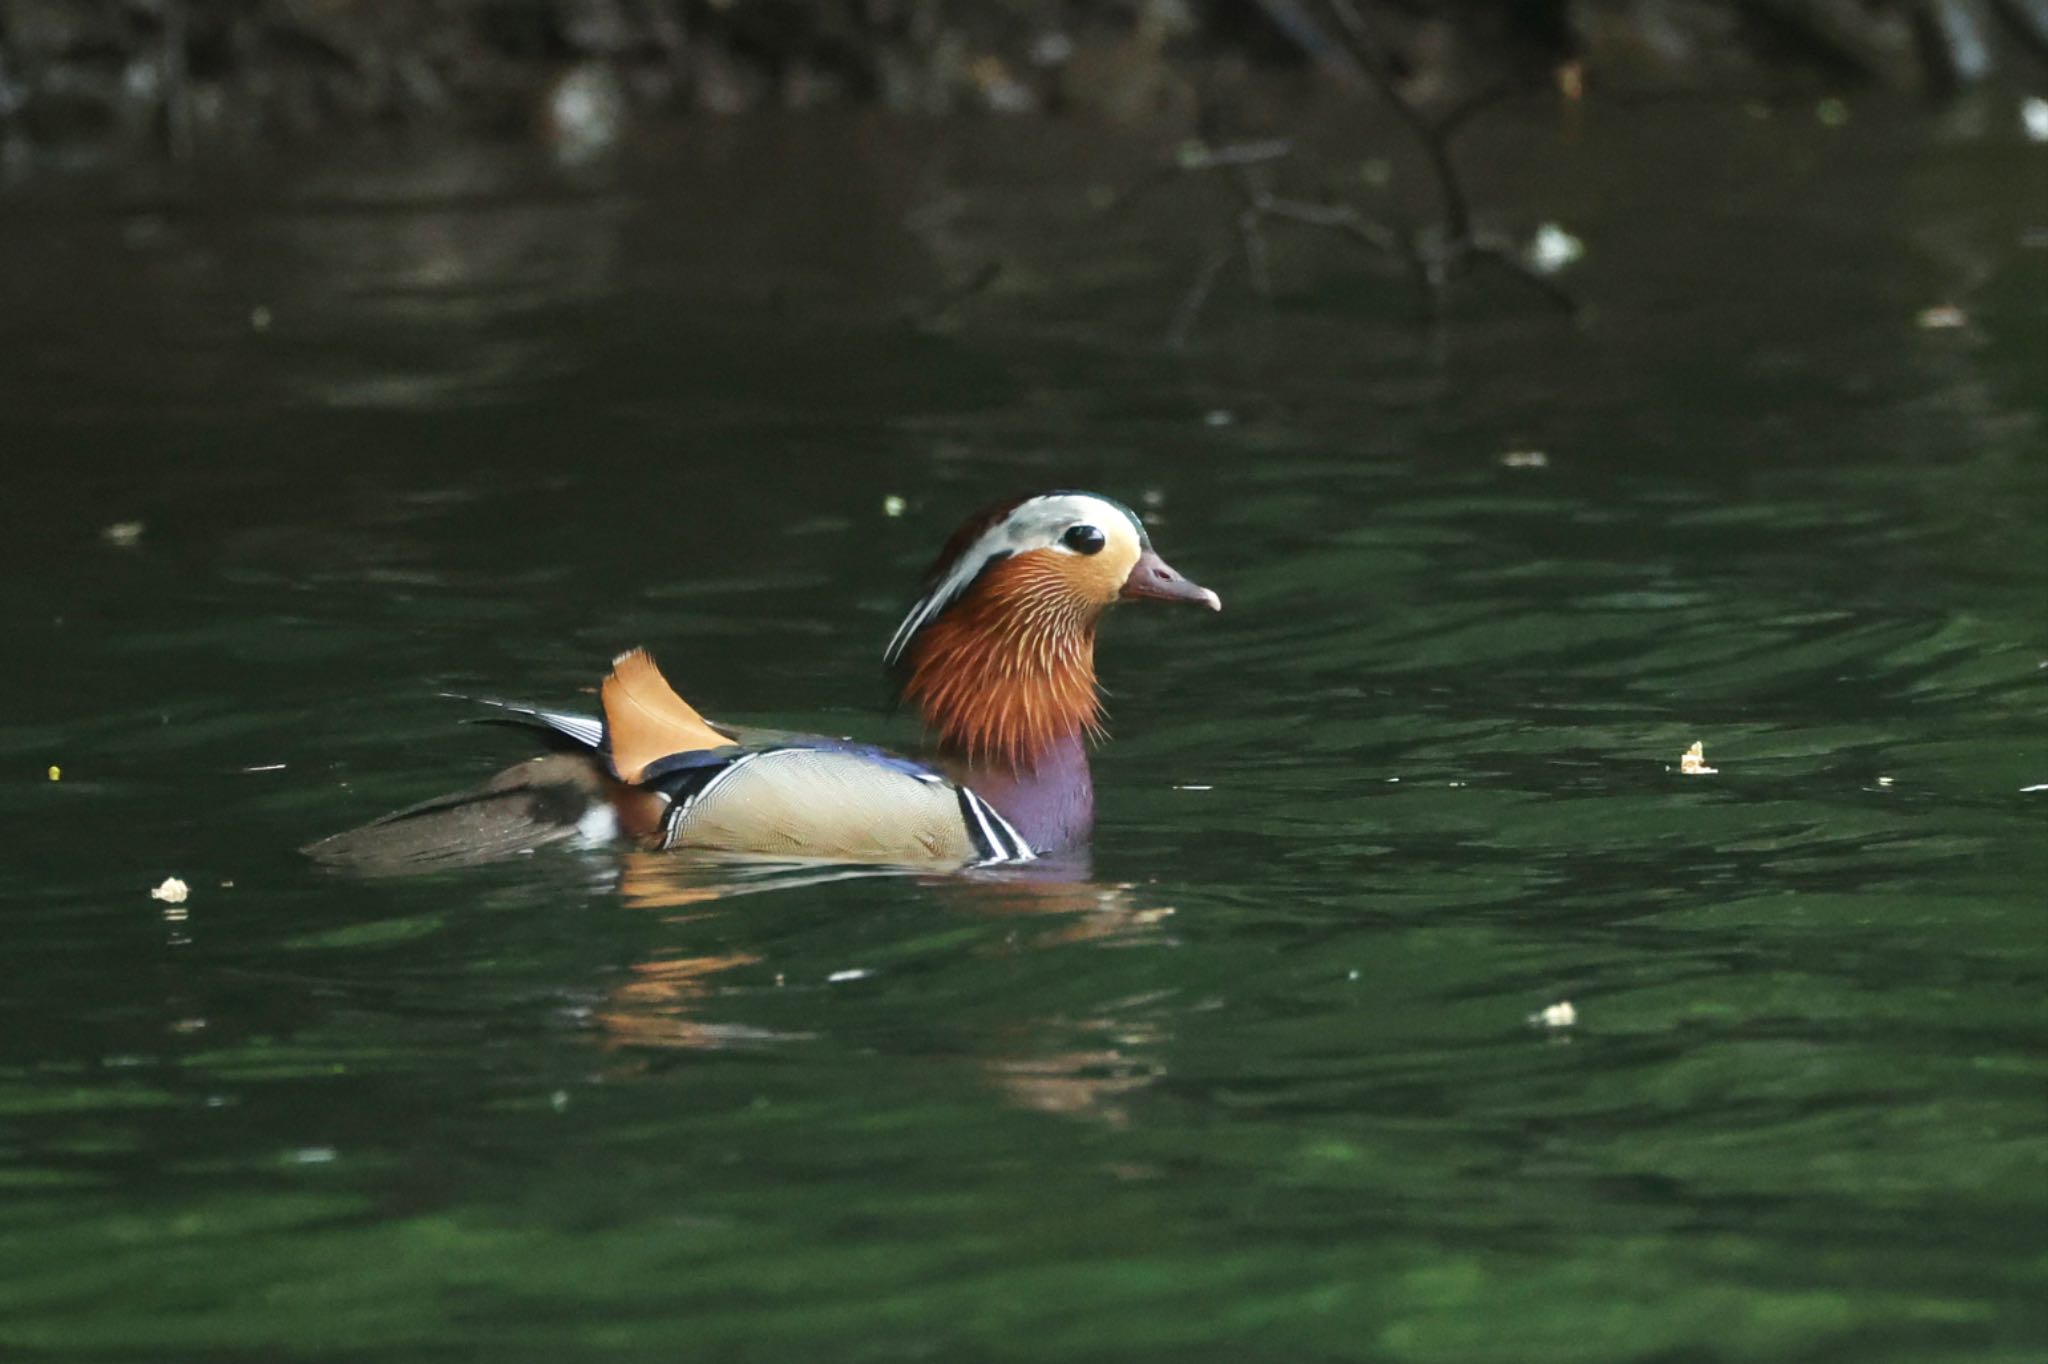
[[1015, 849], [988, 835]]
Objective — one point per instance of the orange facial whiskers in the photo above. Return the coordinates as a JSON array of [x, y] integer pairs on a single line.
[[1009, 670]]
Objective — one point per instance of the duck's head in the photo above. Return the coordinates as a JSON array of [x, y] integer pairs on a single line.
[[998, 652]]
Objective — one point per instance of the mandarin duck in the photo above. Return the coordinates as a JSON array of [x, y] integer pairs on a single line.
[[996, 655]]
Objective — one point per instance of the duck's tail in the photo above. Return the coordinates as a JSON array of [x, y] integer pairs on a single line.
[[544, 801], [587, 786]]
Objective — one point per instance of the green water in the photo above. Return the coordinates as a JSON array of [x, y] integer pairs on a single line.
[[1261, 1084]]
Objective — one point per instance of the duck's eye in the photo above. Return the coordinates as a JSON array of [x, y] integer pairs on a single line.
[[1084, 539]]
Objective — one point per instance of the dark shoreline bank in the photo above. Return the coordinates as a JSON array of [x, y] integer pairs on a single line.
[[93, 82]]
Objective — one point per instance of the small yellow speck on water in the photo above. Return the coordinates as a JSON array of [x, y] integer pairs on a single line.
[[892, 505], [171, 892], [1693, 762], [56, 772]]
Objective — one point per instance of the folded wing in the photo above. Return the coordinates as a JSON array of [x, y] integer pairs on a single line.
[[838, 802]]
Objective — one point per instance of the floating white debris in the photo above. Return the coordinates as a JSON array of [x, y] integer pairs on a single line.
[[1693, 762], [1525, 459], [1219, 416], [2029, 790], [1884, 781], [1192, 787], [2034, 118], [856, 973], [1558, 1015], [123, 534], [892, 505], [1942, 317], [265, 767], [259, 319], [1552, 249], [314, 1155], [171, 892], [559, 1100]]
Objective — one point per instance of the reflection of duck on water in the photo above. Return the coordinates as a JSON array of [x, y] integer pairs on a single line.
[[997, 655], [1079, 1063]]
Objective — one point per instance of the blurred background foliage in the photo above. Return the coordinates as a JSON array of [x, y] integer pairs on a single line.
[[93, 79]]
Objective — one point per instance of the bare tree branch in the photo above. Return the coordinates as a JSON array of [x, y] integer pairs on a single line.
[[1437, 254]]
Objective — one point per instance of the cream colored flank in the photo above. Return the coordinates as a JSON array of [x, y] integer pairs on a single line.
[[821, 804]]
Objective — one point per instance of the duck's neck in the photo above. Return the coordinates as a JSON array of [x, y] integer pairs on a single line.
[[1052, 803], [1010, 698]]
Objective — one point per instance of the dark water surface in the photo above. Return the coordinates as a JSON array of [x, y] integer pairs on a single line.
[[1262, 1085]]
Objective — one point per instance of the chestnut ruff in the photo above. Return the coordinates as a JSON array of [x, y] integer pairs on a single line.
[[1008, 670]]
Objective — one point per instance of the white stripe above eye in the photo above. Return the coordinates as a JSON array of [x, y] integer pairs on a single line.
[[1034, 523]]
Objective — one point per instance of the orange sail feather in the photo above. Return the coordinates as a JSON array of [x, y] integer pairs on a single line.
[[646, 721]]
